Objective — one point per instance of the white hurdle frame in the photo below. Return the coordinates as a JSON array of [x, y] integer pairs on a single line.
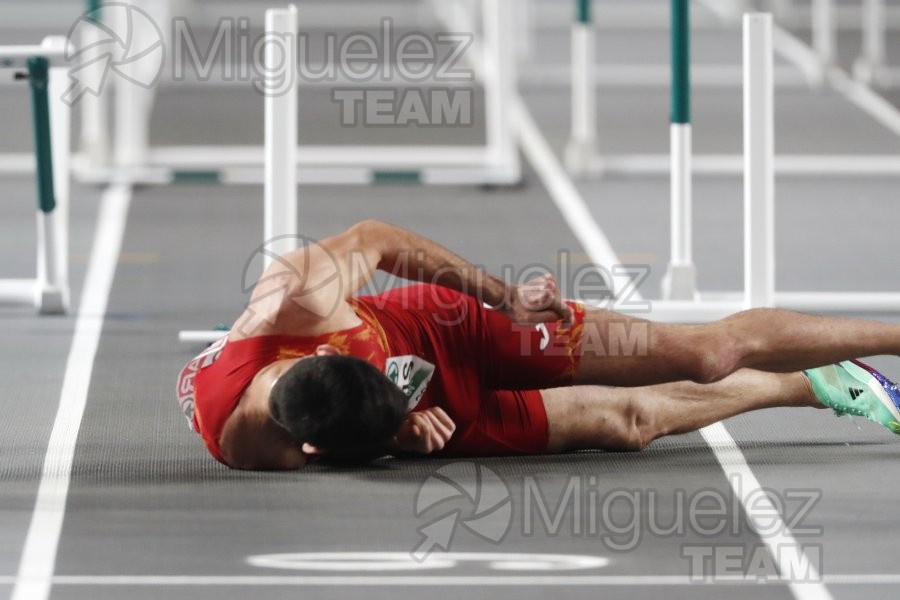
[[759, 224], [48, 292], [496, 162], [816, 64]]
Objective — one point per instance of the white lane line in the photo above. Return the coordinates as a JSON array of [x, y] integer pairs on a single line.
[[569, 201], [447, 580], [782, 545], [39, 554]]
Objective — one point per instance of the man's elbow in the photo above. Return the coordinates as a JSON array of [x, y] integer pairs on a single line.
[[368, 229]]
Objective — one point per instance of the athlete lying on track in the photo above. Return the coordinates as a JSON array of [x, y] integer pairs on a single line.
[[310, 369]]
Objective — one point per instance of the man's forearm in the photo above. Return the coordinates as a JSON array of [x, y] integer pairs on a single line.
[[411, 256]]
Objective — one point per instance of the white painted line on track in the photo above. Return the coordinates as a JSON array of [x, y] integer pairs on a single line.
[[38, 560], [568, 199], [446, 580], [781, 543], [783, 547]]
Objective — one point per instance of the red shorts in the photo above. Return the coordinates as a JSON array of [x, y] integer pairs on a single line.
[[488, 370]]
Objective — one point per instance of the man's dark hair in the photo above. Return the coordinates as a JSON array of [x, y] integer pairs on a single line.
[[340, 404]]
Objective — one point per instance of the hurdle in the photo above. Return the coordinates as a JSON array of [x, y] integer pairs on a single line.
[[43, 67], [494, 162], [283, 155], [280, 225], [815, 64], [759, 202]]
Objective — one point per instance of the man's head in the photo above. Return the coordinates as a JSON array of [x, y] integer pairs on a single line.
[[339, 405]]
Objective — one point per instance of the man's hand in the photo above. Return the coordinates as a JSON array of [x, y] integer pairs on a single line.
[[537, 301], [425, 431]]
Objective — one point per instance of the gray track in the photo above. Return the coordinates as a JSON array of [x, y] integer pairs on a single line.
[[146, 500]]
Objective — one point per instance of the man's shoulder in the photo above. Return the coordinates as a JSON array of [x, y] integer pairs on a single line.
[[253, 324]]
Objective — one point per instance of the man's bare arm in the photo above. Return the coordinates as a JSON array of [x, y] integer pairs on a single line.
[[414, 257], [411, 256], [308, 287]]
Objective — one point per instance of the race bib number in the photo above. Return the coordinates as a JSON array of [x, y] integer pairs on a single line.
[[411, 374]]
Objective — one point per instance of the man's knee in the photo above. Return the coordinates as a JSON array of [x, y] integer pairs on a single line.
[[713, 355], [639, 427]]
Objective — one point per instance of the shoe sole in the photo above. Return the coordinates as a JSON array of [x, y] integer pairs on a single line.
[[881, 387]]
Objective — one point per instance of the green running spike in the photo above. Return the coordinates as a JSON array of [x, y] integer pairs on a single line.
[[855, 388]]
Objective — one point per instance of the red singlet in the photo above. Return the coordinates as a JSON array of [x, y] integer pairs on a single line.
[[487, 370]]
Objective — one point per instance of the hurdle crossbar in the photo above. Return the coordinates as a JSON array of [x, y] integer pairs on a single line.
[[43, 67]]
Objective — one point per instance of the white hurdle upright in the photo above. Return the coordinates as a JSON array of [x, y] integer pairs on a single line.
[[280, 181], [870, 66], [502, 153], [759, 174], [824, 30], [93, 142], [680, 281], [280, 226], [44, 68], [582, 145]]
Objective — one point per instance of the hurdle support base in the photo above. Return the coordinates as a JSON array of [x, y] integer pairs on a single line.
[[47, 300], [52, 301], [579, 157], [680, 282]]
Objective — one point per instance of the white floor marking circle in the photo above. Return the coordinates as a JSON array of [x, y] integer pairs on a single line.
[[402, 561]]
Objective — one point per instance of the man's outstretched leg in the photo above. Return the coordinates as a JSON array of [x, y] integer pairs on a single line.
[[621, 350], [584, 417]]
